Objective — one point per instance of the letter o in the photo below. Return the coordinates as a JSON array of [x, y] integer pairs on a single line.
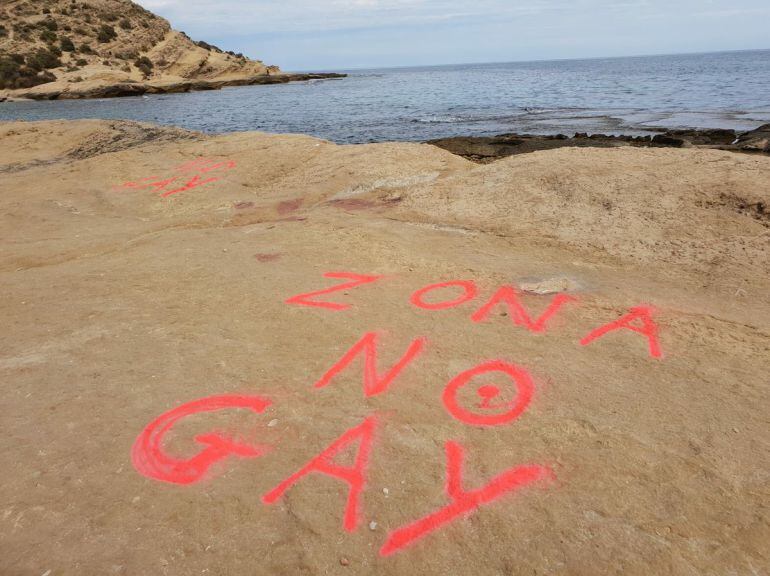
[[469, 293], [519, 377]]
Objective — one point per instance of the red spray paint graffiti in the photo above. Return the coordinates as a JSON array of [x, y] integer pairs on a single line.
[[647, 328], [150, 460], [354, 476], [161, 185], [487, 407], [355, 280], [518, 375], [469, 293], [463, 501], [519, 316], [373, 383]]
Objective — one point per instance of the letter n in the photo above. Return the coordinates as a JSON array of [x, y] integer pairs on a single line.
[[374, 383], [519, 316]]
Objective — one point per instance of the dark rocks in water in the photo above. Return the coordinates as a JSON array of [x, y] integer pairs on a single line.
[[756, 140], [666, 140], [488, 149], [704, 137]]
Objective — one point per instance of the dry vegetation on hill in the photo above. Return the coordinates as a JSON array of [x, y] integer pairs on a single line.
[[100, 42]]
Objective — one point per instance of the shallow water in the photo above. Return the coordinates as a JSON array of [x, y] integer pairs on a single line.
[[612, 96]]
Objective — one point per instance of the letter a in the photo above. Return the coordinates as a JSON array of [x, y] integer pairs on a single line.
[[323, 463], [373, 383], [648, 328]]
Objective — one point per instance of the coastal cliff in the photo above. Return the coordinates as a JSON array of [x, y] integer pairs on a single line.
[[103, 48]]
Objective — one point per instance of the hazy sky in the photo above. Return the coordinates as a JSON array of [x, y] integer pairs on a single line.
[[335, 34]]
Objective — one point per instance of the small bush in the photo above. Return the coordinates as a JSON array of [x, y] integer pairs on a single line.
[[49, 23], [144, 64], [86, 49], [125, 24], [3, 31], [106, 34], [43, 59], [81, 62], [14, 74], [67, 44], [48, 37]]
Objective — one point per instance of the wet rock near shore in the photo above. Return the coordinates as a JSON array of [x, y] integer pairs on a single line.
[[484, 149]]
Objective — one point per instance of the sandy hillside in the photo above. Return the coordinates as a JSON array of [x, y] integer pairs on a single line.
[[73, 49], [174, 400]]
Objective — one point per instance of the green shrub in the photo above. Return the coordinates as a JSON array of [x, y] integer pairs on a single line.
[[43, 59], [49, 23], [48, 37], [125, 24], [67, 44], [106, 34], [14, 74], [86, 49], [144, 64], [81, 62]]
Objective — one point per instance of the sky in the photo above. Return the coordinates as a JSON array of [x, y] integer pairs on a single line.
[[343, 34]]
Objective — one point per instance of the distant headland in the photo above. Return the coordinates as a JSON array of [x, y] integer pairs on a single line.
[[69, 49]]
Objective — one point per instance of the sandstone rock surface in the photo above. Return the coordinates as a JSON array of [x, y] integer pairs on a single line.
[[143, 268]]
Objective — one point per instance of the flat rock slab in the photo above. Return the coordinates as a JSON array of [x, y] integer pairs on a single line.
[[260, 354]]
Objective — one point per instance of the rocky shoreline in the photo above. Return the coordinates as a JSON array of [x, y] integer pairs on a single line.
[[138, 88], [485, 149]]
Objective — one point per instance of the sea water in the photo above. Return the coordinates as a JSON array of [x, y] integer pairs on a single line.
[[636, 95]]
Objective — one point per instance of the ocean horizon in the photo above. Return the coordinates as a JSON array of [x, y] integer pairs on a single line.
[[633, 95]]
